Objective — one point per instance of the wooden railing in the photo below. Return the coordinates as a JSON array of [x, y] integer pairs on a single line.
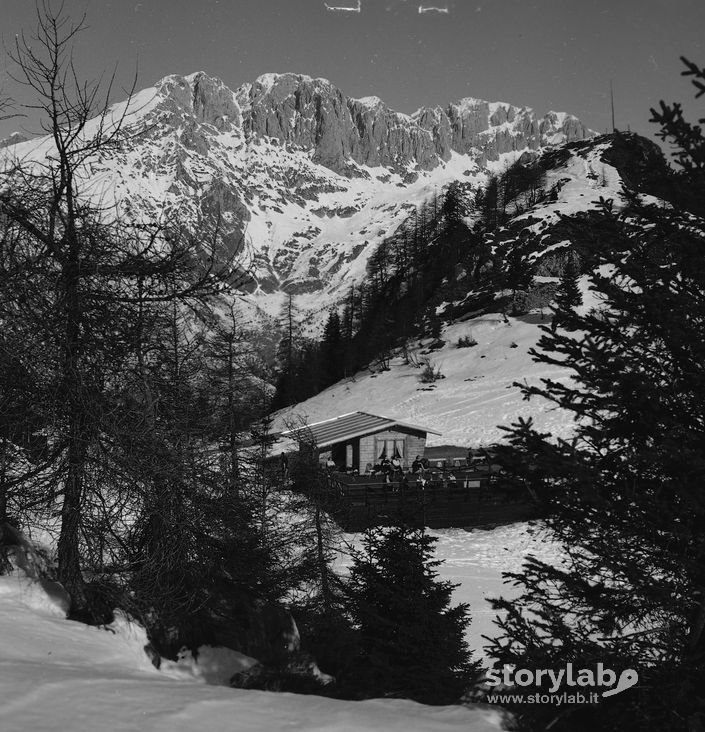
[[469, 498]]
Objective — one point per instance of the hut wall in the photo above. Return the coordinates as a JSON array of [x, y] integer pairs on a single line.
[[414, 444]]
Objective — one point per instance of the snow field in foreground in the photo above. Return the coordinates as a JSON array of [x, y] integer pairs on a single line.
[[60, 675]]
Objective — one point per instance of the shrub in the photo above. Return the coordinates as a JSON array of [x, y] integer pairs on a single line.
[[429, 373]]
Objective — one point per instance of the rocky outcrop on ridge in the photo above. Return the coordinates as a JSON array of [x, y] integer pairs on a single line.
[[314, 115]]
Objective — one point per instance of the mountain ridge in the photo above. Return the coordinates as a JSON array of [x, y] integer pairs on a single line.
[[368, 131], [277, 105], [303, 181]]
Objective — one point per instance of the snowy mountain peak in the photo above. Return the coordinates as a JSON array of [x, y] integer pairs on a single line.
[[310, 179], [268, 81], [14, 138], [199, 96], [371, 101]]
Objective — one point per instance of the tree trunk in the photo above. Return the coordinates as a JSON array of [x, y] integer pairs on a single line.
[[322, 564], [68, 555], [3, 480]]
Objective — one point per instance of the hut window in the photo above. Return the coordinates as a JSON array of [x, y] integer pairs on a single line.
[[390, 449]]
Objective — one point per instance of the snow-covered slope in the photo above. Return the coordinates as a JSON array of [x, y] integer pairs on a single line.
[[60, 675], [467, 406]]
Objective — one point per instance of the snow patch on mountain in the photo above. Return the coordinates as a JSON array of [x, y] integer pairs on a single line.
[[468, 406]]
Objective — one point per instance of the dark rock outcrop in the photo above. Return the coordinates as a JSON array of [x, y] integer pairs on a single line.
[[387, 138], [298, 674], [438, 124], [263, 630], [314, 115], [213, 103], [311, 114]]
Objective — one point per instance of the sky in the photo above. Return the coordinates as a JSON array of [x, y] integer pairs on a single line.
[[556, 55]]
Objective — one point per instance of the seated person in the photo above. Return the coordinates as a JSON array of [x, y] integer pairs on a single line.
[[396, 464], [330, 464], [417, 465], [369, 470]]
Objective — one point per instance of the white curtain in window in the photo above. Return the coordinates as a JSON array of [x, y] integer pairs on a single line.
[[390, 449]]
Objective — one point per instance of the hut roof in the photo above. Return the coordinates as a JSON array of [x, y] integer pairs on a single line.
[[349, 426]]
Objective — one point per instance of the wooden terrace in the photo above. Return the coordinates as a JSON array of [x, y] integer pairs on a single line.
[[467, 497]]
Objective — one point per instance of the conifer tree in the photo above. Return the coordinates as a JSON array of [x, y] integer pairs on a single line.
[[228, 371], [625, 493], [349, 324], [568, 295], [332, 350], [411, 640], [518, 272], [320, 614], [487, 206], [454, 233], [287, 355], [289, 523], [66, 275]]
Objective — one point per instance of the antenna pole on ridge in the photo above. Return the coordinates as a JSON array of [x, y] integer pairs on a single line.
[[614, 128]]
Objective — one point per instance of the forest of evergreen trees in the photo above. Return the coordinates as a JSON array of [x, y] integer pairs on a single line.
[[435, 267]]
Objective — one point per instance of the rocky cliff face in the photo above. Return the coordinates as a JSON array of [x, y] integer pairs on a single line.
[[387, 138], [308, 113], [341, 133], [315, 115]]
